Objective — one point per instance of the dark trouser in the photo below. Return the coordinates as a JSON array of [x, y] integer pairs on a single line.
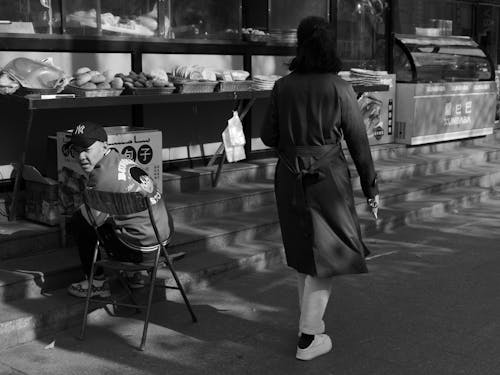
[[86, 238]]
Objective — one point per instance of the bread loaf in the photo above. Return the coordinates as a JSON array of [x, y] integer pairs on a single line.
[[98, 78], [82, 70], [82, 79], [89, 86]]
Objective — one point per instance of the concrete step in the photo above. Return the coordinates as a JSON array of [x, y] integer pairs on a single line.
[[26, 276], [201, 178], [24, 238], [25, 319], [238, 197], [30, 276]]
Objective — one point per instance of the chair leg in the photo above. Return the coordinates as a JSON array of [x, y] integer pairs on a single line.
[[152, 283], [179, 285], [89, 294]]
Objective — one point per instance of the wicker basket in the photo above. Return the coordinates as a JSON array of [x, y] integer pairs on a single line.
[[78, 91], [28, 91], [188, 87], [149, 90], [256, 38], [234, 86]]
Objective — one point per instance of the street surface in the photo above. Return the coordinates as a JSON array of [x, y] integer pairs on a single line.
[[430, 305]]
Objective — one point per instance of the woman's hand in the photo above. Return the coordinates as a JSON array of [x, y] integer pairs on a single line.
[[373, 203]]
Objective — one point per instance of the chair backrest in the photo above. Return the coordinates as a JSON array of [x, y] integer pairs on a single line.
[[115, 203], [119, 204]]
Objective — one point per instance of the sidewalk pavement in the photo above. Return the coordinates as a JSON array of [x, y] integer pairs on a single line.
[[430, 305]]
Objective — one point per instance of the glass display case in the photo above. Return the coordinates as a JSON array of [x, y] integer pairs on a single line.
[[445, 89], [30, 17], [114, 17], [440, 59], [172, 19]]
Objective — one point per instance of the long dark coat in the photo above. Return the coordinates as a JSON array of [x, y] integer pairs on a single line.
[[307, 116]]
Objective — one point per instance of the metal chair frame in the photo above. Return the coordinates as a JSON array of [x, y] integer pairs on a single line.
[[127, 203]]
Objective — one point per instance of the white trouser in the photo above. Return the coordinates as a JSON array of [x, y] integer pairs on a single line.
[[314, 293]]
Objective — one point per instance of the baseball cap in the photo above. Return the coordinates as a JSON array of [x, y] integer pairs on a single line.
[[85, 134]]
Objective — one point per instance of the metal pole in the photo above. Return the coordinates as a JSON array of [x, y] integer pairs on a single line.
[[20, 168]]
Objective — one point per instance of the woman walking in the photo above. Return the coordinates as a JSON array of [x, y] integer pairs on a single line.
[[311, 109]]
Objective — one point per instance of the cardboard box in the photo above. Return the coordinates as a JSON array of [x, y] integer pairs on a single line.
[[41, 197], [142, 145], [378, 109]]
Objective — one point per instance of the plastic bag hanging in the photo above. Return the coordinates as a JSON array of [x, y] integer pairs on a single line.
[[234, 139]]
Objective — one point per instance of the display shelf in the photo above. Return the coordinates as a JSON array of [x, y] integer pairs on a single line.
[[34, 103], [110, 44]]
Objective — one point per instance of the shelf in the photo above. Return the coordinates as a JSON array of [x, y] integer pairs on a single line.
[[126, 100], [110, 44]]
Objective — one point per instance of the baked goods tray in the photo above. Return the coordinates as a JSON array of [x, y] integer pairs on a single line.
[[234, 86], [149, 90], [188, 87], [90, 93]]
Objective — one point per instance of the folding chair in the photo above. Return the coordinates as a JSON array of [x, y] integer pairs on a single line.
[[123, 204]]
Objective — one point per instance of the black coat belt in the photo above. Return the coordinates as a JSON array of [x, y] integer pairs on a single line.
[[313, 173]]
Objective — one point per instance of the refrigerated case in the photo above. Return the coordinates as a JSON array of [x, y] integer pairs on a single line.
[[445, 89]]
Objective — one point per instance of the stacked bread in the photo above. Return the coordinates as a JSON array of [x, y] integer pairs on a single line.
[[88, 79], [144, 80], [194, 72]]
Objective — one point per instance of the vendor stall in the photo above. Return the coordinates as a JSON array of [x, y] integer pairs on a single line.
[[445, 89]]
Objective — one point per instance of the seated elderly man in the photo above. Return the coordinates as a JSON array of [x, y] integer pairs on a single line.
[[128, 238]]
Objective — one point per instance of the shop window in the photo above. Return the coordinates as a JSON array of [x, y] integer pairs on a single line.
[[287, 14], [412, 14], [361, 39], [113, 17], [30, 16], [205, 19]]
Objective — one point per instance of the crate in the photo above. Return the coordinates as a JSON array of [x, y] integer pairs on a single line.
[[188, 87], [223, 86], [78, 91], [29, 91], [41, 198]]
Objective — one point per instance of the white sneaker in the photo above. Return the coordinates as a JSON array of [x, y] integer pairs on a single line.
[[99, 288], [321, 344]]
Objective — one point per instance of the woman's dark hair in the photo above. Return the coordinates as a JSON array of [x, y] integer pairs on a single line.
[[315, 47]]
